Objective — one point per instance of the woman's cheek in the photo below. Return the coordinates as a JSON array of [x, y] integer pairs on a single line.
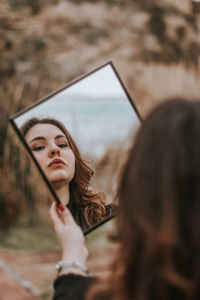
[[39, 157]]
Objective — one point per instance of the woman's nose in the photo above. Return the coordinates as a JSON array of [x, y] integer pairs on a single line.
[[54, 150]]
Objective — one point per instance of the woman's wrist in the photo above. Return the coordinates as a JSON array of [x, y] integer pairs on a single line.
[[72, 271], [71, 267], [75, 255]]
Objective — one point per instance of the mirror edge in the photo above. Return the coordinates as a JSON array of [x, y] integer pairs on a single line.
[[16, 129]]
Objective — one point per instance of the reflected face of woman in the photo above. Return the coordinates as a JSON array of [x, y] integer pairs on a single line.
[[52, 151]]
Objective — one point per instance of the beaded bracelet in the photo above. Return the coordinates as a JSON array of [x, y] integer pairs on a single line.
[[71, 264]]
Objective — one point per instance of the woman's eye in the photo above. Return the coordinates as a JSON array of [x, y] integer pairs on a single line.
[[38, 148], [63, 145]]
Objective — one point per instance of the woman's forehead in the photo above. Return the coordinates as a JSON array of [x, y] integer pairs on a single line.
[[44, 130]]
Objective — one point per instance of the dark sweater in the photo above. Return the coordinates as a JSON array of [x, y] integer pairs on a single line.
[[79, 217], [71, 287]]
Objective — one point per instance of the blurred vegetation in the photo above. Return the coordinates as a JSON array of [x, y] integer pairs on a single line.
[[174, 48], [45, 44], [35, 5], [29, 239], [11, 204]]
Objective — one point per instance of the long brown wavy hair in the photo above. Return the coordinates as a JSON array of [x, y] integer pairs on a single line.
[[159, 203], [91, 204]]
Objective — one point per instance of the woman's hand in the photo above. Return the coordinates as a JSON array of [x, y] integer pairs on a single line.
[[69, 234]]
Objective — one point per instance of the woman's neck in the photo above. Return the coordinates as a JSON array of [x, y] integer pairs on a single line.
[[62, 191]]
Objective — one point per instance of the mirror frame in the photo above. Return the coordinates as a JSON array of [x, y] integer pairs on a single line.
[[47, 97]]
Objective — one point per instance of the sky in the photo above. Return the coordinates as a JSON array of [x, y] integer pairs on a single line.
[[95, 110]]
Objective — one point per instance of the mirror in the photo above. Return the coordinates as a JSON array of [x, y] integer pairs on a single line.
[[79, 136]]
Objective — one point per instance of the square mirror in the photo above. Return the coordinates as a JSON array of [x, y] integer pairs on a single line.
[[79, 137]]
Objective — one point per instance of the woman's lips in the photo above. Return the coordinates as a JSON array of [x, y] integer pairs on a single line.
[[56, 162]]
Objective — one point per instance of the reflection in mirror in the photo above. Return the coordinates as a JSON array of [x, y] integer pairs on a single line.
[[79, 136]]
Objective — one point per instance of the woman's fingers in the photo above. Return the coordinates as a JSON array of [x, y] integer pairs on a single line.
[[65, 215], [69, 234], [60, 213]]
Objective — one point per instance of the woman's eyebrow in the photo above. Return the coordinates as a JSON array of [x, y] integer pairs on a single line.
[[38, 138], [60, 136]]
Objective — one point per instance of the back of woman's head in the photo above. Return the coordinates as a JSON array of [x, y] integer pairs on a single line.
[[159, 197]]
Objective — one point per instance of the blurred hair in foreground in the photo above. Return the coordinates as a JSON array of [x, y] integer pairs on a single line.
[[159, 201]]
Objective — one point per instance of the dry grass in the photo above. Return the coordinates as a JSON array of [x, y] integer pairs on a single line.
[[156, 82], [42, 51]]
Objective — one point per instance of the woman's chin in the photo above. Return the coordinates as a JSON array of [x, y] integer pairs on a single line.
[[59, 176], [59, 181]]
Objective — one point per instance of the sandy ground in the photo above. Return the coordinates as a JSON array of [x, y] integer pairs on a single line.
[[30, 275], [35, 270]]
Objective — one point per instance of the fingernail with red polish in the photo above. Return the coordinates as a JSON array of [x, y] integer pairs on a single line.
[[61, 207]]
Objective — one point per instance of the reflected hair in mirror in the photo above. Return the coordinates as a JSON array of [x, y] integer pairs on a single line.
[[90, 204]]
